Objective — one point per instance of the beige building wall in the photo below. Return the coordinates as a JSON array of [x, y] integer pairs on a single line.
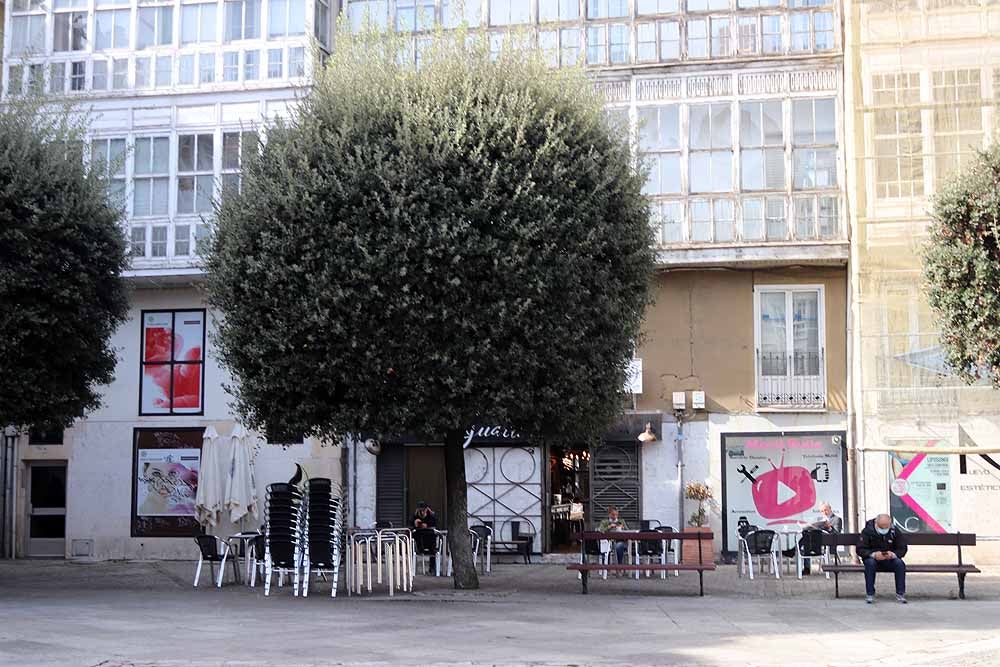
[[699, 335], [922, 90]]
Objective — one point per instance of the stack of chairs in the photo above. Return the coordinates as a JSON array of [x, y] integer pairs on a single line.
[[286, 534], [324, 528]]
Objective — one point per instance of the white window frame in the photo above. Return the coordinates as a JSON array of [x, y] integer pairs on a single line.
[[195, 174], [151, 176], [244, 33], [806, 401], [200, 9], [159, 37]]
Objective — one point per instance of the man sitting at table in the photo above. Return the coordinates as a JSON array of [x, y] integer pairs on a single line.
[[828, 522], [613, 524], [424, 517]]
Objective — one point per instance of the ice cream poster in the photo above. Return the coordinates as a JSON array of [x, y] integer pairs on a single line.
[[778, 481], [167, 482]]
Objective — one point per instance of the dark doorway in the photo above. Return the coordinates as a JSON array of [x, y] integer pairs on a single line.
[[569, 485], [616, 481], [47, 510], [425, 481]]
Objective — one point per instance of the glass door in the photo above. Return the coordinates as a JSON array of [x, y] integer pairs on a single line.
[[47, 509]]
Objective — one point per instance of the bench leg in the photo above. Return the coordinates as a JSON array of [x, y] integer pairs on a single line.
[[701, 583], [836, 584], [583, 579], [961, 585]]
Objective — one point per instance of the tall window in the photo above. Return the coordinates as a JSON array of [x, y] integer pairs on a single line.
[[151, 182], [958, 119], [163, 75], [77, 76], [711, 220], [155, 27], [275, 63], [789, 332], [137, 242], [236, 147], [373, 13], [720, 37], [764, 218], [748, 35], [198, 23], [670, 40], [173, 359], [27, 34], [143, 72], [111, 29], [119, 73], [206, 68], [509, 12], [558, 10], [456, 12], [321, 21], [645, 42], [762, 146], [618, 43], [69, 29], [287, 17], [697, 38], [660, 142], [606, 9], [185, 69], [412, 15], [99, 74], [195, 173], [597, 44], [242, 20], [644, 7], [814, 144], [770, 31], [569, 46], [107, 157], [899, 168], [57, 78], [711, 147]]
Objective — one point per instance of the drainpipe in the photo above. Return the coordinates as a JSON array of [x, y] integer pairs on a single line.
[[679, 439]]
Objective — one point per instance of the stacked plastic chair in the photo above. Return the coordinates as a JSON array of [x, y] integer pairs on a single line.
[[286, 534], [324, 525]]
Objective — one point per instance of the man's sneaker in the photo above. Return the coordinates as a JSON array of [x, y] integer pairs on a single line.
[[901, 599], [869, 599]]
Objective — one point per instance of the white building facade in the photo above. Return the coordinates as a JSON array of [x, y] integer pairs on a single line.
[[737, 106]]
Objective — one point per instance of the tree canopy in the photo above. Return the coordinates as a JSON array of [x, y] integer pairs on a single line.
[[62, 252], [422, 249], [962, 268]]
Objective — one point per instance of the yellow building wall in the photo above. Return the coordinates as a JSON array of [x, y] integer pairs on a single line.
[[699, 335]]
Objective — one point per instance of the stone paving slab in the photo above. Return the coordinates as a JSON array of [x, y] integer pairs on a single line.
[[146, 614]]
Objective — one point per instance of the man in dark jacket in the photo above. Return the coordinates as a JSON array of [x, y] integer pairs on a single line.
[[882, 549]]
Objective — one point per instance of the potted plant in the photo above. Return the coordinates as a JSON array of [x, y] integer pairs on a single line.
[[700, 493]]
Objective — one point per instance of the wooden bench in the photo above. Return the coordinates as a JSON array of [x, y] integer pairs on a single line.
[[700, 567], [957, 540]]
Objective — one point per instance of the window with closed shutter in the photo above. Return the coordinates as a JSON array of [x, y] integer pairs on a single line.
[[615, 480]]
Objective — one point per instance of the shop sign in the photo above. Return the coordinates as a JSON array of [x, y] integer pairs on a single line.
[[778, 480], [491, 435]]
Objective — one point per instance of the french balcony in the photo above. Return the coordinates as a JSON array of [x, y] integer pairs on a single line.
[[795, 381]]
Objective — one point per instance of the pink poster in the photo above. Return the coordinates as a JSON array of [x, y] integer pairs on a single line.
[[172, 362]]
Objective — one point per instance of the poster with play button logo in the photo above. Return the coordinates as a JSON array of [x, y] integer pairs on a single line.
[[778, 480]]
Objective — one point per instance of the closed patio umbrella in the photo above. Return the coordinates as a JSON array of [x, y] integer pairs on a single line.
[[241, 487], [216, 458]]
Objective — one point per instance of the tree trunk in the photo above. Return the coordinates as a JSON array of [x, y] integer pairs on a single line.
[[459, 544]]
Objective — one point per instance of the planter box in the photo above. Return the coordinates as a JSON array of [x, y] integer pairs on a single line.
[[689, 548]]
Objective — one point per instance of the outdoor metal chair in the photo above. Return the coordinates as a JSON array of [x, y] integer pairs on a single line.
[[485, 543], [213, 549], [811, 546], [599, 548], [425, 549]]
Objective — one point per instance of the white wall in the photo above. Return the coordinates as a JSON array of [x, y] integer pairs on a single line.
[[98, 450]]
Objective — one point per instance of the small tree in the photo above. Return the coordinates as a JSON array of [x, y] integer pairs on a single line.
[[422, 250], [62, 252], [700, 493], [962, 268]]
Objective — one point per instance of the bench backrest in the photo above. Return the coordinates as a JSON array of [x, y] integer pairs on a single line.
[[912, 539]]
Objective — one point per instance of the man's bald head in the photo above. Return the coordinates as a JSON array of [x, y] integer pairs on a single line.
[[883, 521]]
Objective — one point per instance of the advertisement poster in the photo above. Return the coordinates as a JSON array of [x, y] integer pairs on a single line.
[[172, 362], [167, 481], [920, 492], [777, 481], [166, 464]]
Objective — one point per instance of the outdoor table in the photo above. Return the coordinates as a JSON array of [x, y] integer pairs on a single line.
[[239, 543]]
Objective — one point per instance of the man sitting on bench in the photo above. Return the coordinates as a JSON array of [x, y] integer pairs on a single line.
[[882, 549]]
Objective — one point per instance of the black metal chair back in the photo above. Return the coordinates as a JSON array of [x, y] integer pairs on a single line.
[[209, 547], [811, 542], [425, 541], [760, 542]]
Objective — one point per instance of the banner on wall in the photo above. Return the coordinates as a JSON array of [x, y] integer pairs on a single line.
[[778, 480], [920, 490], [172, 362], [166, 465]]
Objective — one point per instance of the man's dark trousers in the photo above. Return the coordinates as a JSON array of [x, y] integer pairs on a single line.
[[894, 565]]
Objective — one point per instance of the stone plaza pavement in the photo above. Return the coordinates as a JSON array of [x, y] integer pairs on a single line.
[[146, 614]]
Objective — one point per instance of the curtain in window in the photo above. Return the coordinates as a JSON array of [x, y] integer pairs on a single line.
[[805, 332], [773, 336]]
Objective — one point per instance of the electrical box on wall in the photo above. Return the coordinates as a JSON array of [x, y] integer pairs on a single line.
[[698, 400], [680, 400]]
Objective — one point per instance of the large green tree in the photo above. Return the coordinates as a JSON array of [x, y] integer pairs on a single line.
[[962, 268], [62, 253], [423, 249]]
